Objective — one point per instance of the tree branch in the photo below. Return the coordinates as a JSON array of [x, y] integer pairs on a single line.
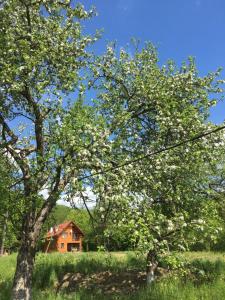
[[6, 128], [38, 121]]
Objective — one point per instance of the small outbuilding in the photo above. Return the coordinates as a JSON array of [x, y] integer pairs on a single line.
[[66, 237]]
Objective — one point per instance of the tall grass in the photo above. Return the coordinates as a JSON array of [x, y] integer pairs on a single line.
[[205, 281], [52, 267]]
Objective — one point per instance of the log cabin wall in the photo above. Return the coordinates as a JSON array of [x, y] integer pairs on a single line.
[[64, 238], [70, 240]]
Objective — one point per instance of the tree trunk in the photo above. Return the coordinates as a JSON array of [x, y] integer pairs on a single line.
[[87, 246], [151, 267], [4, 229], [22, 283]]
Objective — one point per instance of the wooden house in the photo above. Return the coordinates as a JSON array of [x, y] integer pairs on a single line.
[[66, 237]]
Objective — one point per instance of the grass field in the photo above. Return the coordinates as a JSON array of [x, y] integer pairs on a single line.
[[102, 276]]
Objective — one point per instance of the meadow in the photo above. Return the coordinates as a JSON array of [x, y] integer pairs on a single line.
[[120, 275]]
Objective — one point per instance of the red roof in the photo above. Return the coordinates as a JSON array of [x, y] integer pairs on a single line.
[[58, 229]]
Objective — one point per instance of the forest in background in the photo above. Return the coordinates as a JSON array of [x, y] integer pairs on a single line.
[[94, 238]]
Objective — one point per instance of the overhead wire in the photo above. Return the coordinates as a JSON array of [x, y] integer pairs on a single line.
[[133, 161]]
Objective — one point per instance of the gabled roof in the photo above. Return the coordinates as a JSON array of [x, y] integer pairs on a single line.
[[58, 229]]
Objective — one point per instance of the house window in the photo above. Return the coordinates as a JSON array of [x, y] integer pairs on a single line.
[[62, 245], [75, 236], [64, 235]]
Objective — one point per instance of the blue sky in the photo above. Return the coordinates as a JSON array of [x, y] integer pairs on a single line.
[[178, 28]]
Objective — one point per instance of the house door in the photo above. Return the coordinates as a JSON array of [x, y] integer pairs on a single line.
[[73, 247]]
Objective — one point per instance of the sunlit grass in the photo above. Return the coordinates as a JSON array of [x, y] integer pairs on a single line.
[[211, 256], [207, 281]]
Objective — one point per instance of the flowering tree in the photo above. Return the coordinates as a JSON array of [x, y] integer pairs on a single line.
[[62, 146], [165, 152], [51, 141]]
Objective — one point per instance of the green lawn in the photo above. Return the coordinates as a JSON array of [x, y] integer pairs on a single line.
[[119, 276]]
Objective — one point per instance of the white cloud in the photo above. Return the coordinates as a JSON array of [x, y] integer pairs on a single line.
[[76, 201], [90, 199], [63, 202], [44, 193]]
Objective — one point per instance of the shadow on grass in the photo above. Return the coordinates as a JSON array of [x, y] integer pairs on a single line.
[[206, 271], [50, 269], [5, 290], [208, 278]]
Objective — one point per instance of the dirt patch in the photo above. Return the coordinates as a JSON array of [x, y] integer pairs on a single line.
[[103, 282]]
